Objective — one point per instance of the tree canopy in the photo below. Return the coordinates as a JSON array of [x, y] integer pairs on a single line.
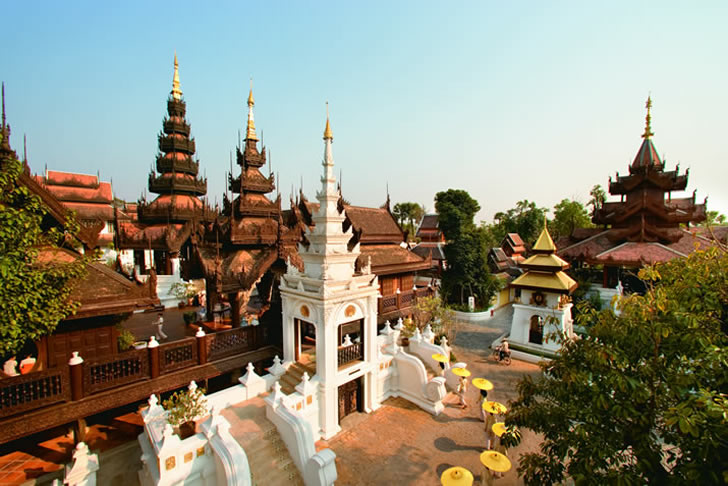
[[643, 397], [569, 215], [713, 218], [466, 251], [526, 219], [36, 296], [408, 214]]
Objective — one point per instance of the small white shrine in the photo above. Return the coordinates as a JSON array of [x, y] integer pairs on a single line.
[[330, 311], [545, 305]]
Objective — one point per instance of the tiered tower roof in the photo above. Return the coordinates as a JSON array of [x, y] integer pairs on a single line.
[[253, 217], [177, 183], [647, 212], [544, 269]]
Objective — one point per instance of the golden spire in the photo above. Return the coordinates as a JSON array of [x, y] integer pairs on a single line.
[[327, 132], [251, 100], [250, 134], [544, 243], [648, 119], [176, 91]]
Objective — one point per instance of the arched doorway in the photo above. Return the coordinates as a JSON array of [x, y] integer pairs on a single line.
[[535, 333], [305, 345]]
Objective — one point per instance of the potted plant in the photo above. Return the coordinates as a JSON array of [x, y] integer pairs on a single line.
[[183, 408], [184, 291], [125, 339], [189, 317]]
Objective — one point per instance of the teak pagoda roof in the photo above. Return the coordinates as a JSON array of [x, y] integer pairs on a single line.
[[165, 222], [647, 224]]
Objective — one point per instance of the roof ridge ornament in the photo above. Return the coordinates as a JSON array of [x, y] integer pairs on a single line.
[[648, 119], [176, 90]]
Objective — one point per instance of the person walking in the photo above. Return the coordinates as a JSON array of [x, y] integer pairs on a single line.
[[462, 388], [160, 323]]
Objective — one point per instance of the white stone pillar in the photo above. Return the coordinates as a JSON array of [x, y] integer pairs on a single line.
[[327, 365], [289, 337], [175, 267]]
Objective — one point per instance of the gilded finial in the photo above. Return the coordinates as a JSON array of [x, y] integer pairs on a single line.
[[176, 90], [648, 119], [251, 100], [250, 133], [327, 132]]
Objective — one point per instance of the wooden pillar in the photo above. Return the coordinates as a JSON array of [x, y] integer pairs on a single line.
[[236, 307], [212, 299], [75, 365], [153, 348], [604, 277], [79, 430]]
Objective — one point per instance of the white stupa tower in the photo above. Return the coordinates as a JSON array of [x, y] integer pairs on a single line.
[[339, 303]]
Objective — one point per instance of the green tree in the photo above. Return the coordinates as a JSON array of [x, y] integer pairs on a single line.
[[35, 292], [408, 214], [466, 251], [569, 215], [598, 198], [526, 219], [643, 397], [714, 218]]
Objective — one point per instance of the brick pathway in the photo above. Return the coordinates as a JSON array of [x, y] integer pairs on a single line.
[[400, 444]]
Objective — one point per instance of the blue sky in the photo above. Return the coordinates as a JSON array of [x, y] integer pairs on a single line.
[[507, 100]]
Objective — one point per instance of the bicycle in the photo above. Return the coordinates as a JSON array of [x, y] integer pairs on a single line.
[[497, 357]]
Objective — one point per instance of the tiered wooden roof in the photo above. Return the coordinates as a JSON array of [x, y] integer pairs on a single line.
[[83, 193], [647, 224], [167, 221]]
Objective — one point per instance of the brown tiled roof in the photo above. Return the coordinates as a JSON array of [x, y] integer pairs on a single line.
[[103, 291], [426, 249], [375, 224], [391, 258], [55, 177], [599, 249]]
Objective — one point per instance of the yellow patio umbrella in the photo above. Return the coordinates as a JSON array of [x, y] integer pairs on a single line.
[[494, 407], [495, 461], [482, 384], [461, 372], [499, 428], [440, 357], [456, 476]]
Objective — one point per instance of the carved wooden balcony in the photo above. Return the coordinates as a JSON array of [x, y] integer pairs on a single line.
[[166, 185], [173, 126], [353, 352], [174, 144], [186, 165]]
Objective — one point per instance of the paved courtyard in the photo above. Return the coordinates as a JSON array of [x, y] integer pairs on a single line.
[[400, 444]]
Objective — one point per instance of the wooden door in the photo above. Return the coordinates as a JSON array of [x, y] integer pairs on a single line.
[[349, 398]]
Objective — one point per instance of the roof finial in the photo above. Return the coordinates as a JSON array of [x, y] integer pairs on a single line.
[[327, 132], [648, 119], [250, 134], [251, 100], [176, 91]]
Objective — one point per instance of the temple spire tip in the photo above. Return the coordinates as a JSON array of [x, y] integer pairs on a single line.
[[176, 90], [648, 119], [328, 134]]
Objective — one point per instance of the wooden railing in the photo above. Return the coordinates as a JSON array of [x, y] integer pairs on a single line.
[[350, 353], [121, 369], [26, 392], [402, 300], [85, 378], [234, 341], [177, 355]]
